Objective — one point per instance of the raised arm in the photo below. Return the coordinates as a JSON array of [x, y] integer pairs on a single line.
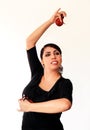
[[34, 36]]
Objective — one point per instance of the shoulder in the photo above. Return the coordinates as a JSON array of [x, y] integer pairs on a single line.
[[66, 82], [66, 88], [66, 79]]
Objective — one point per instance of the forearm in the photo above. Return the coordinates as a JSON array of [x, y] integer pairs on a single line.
[[52, 106], [34, 36]]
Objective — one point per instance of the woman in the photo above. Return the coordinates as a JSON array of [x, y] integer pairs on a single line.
[[48, 94]]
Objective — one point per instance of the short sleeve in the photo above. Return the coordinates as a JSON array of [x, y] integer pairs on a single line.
[[34, 62], [66, 89]]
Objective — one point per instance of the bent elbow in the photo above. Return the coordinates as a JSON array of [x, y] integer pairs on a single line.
[[67, 105], [29, 43]]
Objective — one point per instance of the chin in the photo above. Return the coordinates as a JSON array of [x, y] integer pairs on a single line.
[[55, 69]]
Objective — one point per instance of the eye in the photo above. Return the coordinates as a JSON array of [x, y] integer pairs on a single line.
[[57, 53], [48, 54]]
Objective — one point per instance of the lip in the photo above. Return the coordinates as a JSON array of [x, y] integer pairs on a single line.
[[54, 62]]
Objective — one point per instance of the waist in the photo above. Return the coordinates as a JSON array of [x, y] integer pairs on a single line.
[[40, 120]]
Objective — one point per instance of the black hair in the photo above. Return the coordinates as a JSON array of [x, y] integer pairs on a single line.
[[50, 45]]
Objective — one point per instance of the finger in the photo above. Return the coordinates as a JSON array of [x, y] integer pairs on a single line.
[[19, 110], [21, 99], [64, 13], [57, 11]]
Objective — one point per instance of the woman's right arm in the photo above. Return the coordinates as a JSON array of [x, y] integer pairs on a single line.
[[34, 36]]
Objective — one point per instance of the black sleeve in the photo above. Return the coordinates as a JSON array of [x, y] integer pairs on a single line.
[[34, 62], [66, 89]]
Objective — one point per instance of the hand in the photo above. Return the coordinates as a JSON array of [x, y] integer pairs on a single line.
[[24, 105], [58, 14]]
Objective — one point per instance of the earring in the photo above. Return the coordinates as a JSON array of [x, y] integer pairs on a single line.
[[61, 69]]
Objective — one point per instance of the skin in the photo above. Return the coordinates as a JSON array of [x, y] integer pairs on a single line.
[[50, 56], [51, 73], [51, 61]]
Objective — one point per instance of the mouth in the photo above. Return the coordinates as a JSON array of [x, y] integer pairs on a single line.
[[54, 62]]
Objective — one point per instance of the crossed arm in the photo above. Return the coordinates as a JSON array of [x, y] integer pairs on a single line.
[[51, 106]]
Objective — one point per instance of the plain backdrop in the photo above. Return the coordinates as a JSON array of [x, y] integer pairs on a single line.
[[18, 18]]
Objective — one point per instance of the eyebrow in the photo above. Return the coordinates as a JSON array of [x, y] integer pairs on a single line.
[[53, 51], [48, 52]]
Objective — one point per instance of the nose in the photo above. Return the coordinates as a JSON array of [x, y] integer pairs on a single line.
[[53, 55]]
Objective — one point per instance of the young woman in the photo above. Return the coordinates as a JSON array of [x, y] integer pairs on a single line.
[[48, 94]]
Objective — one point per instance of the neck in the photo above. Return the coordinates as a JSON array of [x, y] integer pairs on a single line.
[[51, 74]]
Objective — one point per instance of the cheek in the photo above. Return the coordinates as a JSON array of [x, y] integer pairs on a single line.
[[44, 61], [60, 59]]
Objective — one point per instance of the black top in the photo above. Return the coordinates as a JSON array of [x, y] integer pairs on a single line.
[[61, 89]]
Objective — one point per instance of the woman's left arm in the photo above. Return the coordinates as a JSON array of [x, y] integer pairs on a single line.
[[52, 106]]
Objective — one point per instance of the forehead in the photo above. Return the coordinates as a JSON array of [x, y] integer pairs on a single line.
[[49, 49]]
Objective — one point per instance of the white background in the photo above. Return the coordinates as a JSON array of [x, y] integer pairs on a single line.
[[18, 18]]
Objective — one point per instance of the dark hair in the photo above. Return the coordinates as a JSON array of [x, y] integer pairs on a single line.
[[50, 45]]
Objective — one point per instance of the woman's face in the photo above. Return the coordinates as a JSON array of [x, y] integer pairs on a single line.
[[51, 58]]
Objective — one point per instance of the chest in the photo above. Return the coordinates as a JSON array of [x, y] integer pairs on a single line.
[[43, 91], [47, 84]]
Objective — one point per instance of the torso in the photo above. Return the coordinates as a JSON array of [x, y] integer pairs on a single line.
[[49, 83]]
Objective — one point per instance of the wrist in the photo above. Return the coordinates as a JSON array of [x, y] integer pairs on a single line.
[[50, 22]]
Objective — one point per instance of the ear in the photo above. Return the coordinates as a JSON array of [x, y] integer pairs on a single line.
[[42, 62], [61, 58]]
